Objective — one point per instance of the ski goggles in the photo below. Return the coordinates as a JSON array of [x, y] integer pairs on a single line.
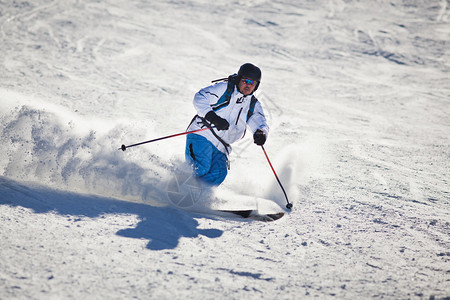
[[248, 81]]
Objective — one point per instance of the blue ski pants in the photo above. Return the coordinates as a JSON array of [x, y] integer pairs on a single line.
[[209, 164]]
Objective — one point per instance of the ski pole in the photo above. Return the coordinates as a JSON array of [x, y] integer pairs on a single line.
[[123, 147], [288, 205]]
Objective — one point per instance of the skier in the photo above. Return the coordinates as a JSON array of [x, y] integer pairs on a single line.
[[226, 108]]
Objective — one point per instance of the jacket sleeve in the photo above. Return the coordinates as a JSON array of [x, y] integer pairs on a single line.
[[206, 97], [258, 120]]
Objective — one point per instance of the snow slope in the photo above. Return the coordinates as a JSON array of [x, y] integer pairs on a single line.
[[357, 96]]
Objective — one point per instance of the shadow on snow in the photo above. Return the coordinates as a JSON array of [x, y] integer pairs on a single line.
[[162, 226]]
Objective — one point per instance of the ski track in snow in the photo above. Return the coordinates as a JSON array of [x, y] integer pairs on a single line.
[[357, 98]]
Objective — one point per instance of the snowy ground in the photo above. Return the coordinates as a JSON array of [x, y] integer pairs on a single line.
[[357, 94]]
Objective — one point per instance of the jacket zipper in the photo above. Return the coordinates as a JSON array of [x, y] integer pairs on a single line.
[[239, 114]]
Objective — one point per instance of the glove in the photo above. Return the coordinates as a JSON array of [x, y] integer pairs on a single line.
[[220, 123], [259, 137]]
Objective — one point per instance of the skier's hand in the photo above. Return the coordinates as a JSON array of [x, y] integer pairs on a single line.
[[220, 123], [259, 137]]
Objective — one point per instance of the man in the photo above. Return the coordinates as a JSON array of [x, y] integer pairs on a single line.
[[226, 108]]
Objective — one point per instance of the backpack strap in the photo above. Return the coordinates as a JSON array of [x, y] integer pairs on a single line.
[[224, 100], [251, 109]]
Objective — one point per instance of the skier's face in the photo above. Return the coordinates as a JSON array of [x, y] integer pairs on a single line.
[[247, 86]]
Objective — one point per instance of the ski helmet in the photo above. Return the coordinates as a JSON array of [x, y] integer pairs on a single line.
[[250, 71]]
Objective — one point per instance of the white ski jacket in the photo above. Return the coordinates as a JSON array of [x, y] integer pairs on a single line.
[[237, 109]]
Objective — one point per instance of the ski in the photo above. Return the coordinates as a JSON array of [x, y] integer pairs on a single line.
[[254, 215]]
